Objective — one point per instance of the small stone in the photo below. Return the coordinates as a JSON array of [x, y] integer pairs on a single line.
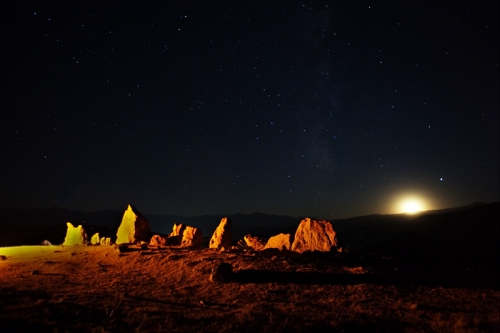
[[221, 272], [35, 272], [2, 257]]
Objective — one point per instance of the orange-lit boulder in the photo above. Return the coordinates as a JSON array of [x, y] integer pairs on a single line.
[[75, 236], [134, 227], [192, 237], [178, 229], [312, 235], [281, 241], [255, 242], [95, 240], [157, 240], [175, 237], [223, 235]]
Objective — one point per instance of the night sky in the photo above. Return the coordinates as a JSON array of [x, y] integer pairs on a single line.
[[330, 109]]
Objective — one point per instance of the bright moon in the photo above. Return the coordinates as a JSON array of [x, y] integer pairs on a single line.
[[411, 206], [409, 203]]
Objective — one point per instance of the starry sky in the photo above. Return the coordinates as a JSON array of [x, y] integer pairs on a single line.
[[330, 109]]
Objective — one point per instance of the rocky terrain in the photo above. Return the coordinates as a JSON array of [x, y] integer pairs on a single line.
[[100, 289]]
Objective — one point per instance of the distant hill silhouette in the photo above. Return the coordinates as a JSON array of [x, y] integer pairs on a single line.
[[477, 221]]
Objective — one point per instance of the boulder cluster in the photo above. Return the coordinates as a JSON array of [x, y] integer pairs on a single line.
[[311, 235], [181, 235]]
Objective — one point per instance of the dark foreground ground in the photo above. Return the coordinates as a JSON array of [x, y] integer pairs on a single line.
[[98, 289]]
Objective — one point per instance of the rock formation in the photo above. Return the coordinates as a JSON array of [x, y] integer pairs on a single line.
[[134, 227], [95, 240], [106, 241], [255, 242], [281, 241], [223, 235], [75, 236], [175, 237], [192, 237], [178, 229], [157, 240], [312, 235]]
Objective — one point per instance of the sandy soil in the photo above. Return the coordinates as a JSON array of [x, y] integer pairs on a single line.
[[99, 289]]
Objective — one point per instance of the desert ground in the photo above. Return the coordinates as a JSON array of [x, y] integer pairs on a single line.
[[100, 289]]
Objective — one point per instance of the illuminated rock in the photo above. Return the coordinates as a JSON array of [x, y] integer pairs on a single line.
[[255, 242], [223, 235], [192, 237], [95, 240], [157, 240], [312, 235], [106, 241], [134, 227], [175, 237], [281, 241], [75, 236], [178, 229]]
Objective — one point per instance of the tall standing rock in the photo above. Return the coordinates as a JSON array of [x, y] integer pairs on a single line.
[[75, 236], [312, 235], [192, 237], [223, 235], [134, 227]]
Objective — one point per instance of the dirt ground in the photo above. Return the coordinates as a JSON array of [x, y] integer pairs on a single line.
[[99, 289]]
